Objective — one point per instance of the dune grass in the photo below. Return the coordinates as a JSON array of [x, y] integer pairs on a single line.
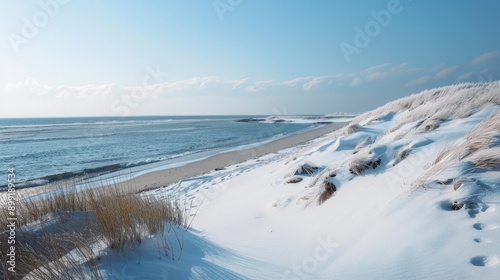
[[329, 189], [446, 103], [353, 127], [487, 159], [307, 168], [480, 147], [401, 155], [484, 135], [429, 109], [359, 164], [51, 247], [365, 142]]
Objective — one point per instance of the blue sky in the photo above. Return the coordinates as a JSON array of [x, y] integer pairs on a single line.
[[95, 58]]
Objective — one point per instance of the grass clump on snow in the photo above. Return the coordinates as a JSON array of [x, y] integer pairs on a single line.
[[306, 169], [437, 105], [294, 180], [488, 159], [457, 183], [485, 135], [353, 127], [367, 141], [328, 189], [362, 162], [401, 155], [57, 231], [359, 164], [479, 147]]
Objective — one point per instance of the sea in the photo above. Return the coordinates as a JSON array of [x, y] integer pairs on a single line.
[[44, 150]]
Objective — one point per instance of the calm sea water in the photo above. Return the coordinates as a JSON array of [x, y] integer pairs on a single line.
[[57, 148]]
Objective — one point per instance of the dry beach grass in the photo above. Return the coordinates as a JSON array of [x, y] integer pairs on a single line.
[[54, 224]]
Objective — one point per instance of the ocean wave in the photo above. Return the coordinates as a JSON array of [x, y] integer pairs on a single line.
[[140, 162], [106, 168], [32, 183], [88, 123], [165, 158], [165, 130], [226, 139], [10, 140], [71, 175]]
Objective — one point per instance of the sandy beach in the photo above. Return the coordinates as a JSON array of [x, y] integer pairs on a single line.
[[166, 177]]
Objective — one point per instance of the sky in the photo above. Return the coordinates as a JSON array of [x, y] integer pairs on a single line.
[[62, 58]]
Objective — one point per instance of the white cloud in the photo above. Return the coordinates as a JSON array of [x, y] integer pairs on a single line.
[[386, 71], [445, 72], [296, 81], [316, 82], [196, 84], [356, 81], [216, 86], [210, 84], [234, 84], [260, 85], [313, 82], [419, 81], [377, 68], [486, 57], [376, 76], [437, 68], [207, 81], [398, 68], [464, 77]]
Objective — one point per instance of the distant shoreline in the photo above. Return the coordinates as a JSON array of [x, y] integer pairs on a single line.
[[162, 178]]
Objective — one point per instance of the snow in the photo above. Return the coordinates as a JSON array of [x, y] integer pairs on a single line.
[[377, 225], [394, 221]]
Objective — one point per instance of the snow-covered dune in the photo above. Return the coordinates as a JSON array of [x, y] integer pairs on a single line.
[[410, 190]]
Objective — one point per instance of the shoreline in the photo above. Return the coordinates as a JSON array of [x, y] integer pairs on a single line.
[[115, 171], [166, 177]]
